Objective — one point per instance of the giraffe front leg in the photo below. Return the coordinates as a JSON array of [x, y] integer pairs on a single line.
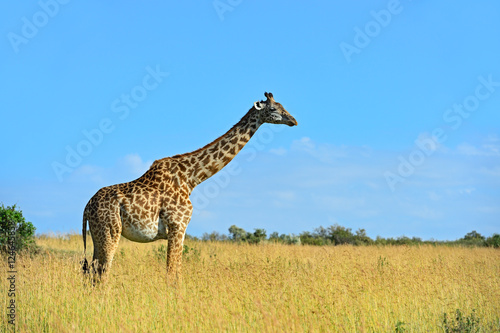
[[177, 217], [176, 235]]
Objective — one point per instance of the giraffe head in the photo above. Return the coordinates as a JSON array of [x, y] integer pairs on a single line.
[[273, 112]]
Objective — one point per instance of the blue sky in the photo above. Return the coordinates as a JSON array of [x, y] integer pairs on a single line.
[[397, 102]]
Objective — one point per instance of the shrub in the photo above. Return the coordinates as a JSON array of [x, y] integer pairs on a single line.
[[459, 324], [290, 239], [160, 252], [190, 253], [400, 327], [237, 234], [258, 236], [340, 235], [493, 241], [472, 239], [214, 236], [16, 233], [361, 238], [307, 238], [473, 235]]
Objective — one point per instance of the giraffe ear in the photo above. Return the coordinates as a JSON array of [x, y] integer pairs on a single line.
[[258, 105], [269, 96]]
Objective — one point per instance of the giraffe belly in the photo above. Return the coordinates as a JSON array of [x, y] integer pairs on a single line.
[[144, 232]]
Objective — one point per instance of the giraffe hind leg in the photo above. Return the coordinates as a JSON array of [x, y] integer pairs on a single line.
[[85, 266], [106, 241], [103, 257]]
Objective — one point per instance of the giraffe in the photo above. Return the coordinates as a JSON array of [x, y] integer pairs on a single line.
[[157, 205]]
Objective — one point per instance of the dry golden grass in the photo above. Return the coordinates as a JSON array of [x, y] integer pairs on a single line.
[[269, 288]]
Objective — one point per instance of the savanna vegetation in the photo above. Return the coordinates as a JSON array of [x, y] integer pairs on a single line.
[[230, 286], [251, 282]]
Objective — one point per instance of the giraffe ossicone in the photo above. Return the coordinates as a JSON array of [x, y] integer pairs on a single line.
[[157, 205]]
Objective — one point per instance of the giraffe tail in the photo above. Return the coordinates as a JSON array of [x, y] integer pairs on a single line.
[[85, 266]]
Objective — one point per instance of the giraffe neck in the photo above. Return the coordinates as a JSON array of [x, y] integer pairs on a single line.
[[199, 165]]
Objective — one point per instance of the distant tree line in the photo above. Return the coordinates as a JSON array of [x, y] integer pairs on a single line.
[[339, 235]]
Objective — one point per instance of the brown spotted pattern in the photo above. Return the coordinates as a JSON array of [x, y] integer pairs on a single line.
[[157, 205]]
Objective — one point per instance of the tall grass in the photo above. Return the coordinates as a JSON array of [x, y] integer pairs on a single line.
[[267, 287]]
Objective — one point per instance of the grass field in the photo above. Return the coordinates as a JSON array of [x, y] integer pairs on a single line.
[[266, 287]]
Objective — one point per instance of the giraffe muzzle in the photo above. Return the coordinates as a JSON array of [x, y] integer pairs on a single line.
[[291, 121]]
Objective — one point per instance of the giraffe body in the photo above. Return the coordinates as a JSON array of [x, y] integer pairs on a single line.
[[157, 205]]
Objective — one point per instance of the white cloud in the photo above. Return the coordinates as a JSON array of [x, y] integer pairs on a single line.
[[434, 196], [491, 147], [428, 142], [493, 171], [207, 215], [87, 172], [134, 164], [125, 169], [323, 152], [467, 191], [280, 151], [468, 149], [304, 143], [427, 213], [283, 199], [284, 195]]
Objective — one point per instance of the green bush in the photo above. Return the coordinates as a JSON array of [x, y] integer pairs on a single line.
[[307, 238], [493, 241], [473, 235], [214, 236], [237, 234], [16, 234]]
